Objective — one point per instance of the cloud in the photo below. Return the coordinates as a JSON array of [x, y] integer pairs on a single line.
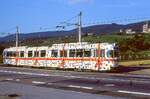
[[78, 1], [118, 3], [74, 2]]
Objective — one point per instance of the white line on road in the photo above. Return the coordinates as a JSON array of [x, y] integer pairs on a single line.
[[18, 80], [136, 93], [50, 83], [83, 87], [74, 86], [38, 82], [9, 79], [109, 85], [87, 87], [24, 73]]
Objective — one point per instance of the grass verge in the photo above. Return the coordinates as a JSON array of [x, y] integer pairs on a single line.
[[135, 63]]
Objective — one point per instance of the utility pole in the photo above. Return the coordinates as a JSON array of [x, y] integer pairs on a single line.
[[80, 27], [78, 24], [17, 36]]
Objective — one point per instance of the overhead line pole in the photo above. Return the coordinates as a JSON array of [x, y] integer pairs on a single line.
[[17, 36], [78, 24], [80, 27]]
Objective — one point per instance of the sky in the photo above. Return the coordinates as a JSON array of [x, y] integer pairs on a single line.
[[44, 15]]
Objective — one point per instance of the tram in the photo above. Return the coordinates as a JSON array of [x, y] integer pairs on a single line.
[[81, 56]]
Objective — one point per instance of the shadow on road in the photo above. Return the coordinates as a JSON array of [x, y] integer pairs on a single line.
[[124, 69]]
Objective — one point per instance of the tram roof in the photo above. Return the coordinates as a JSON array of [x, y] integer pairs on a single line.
[[61, 44]]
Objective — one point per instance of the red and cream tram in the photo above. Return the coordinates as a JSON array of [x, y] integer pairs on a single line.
[[82, 56]]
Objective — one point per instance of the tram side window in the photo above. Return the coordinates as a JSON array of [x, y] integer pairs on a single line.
[[10, 54], [30, 54], [63, 53], [72, 53], [95, 53], [36, 53], [87, 53], [43, 53], [54, 53], [79, 53], [14, 54], [22, 54], [102, 53]]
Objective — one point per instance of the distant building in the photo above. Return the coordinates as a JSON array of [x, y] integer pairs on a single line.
[[130, 31], [146, 28], [121, 31], [90, 34]]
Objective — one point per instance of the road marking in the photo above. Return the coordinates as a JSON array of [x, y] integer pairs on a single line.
[[25, 73], [109, 85], [38, 82], [18, 80], [74, 86], [77, 92], [131, 92], [87, 87], [9, 79], [60, 75], [50, 83], [83, 87]]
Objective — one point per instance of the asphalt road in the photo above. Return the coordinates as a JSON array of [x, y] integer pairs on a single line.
[[69, 84]]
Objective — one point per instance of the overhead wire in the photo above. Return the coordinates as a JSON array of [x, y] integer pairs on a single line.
[[117, 21], [7, 31]]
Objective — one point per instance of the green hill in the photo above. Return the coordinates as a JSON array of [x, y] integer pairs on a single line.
[[127, 43]]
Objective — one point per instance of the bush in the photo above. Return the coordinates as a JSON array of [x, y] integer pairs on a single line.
[[136, 44]]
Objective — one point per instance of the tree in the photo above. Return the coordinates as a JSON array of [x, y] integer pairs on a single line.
[[135, 44], [1, 49]]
